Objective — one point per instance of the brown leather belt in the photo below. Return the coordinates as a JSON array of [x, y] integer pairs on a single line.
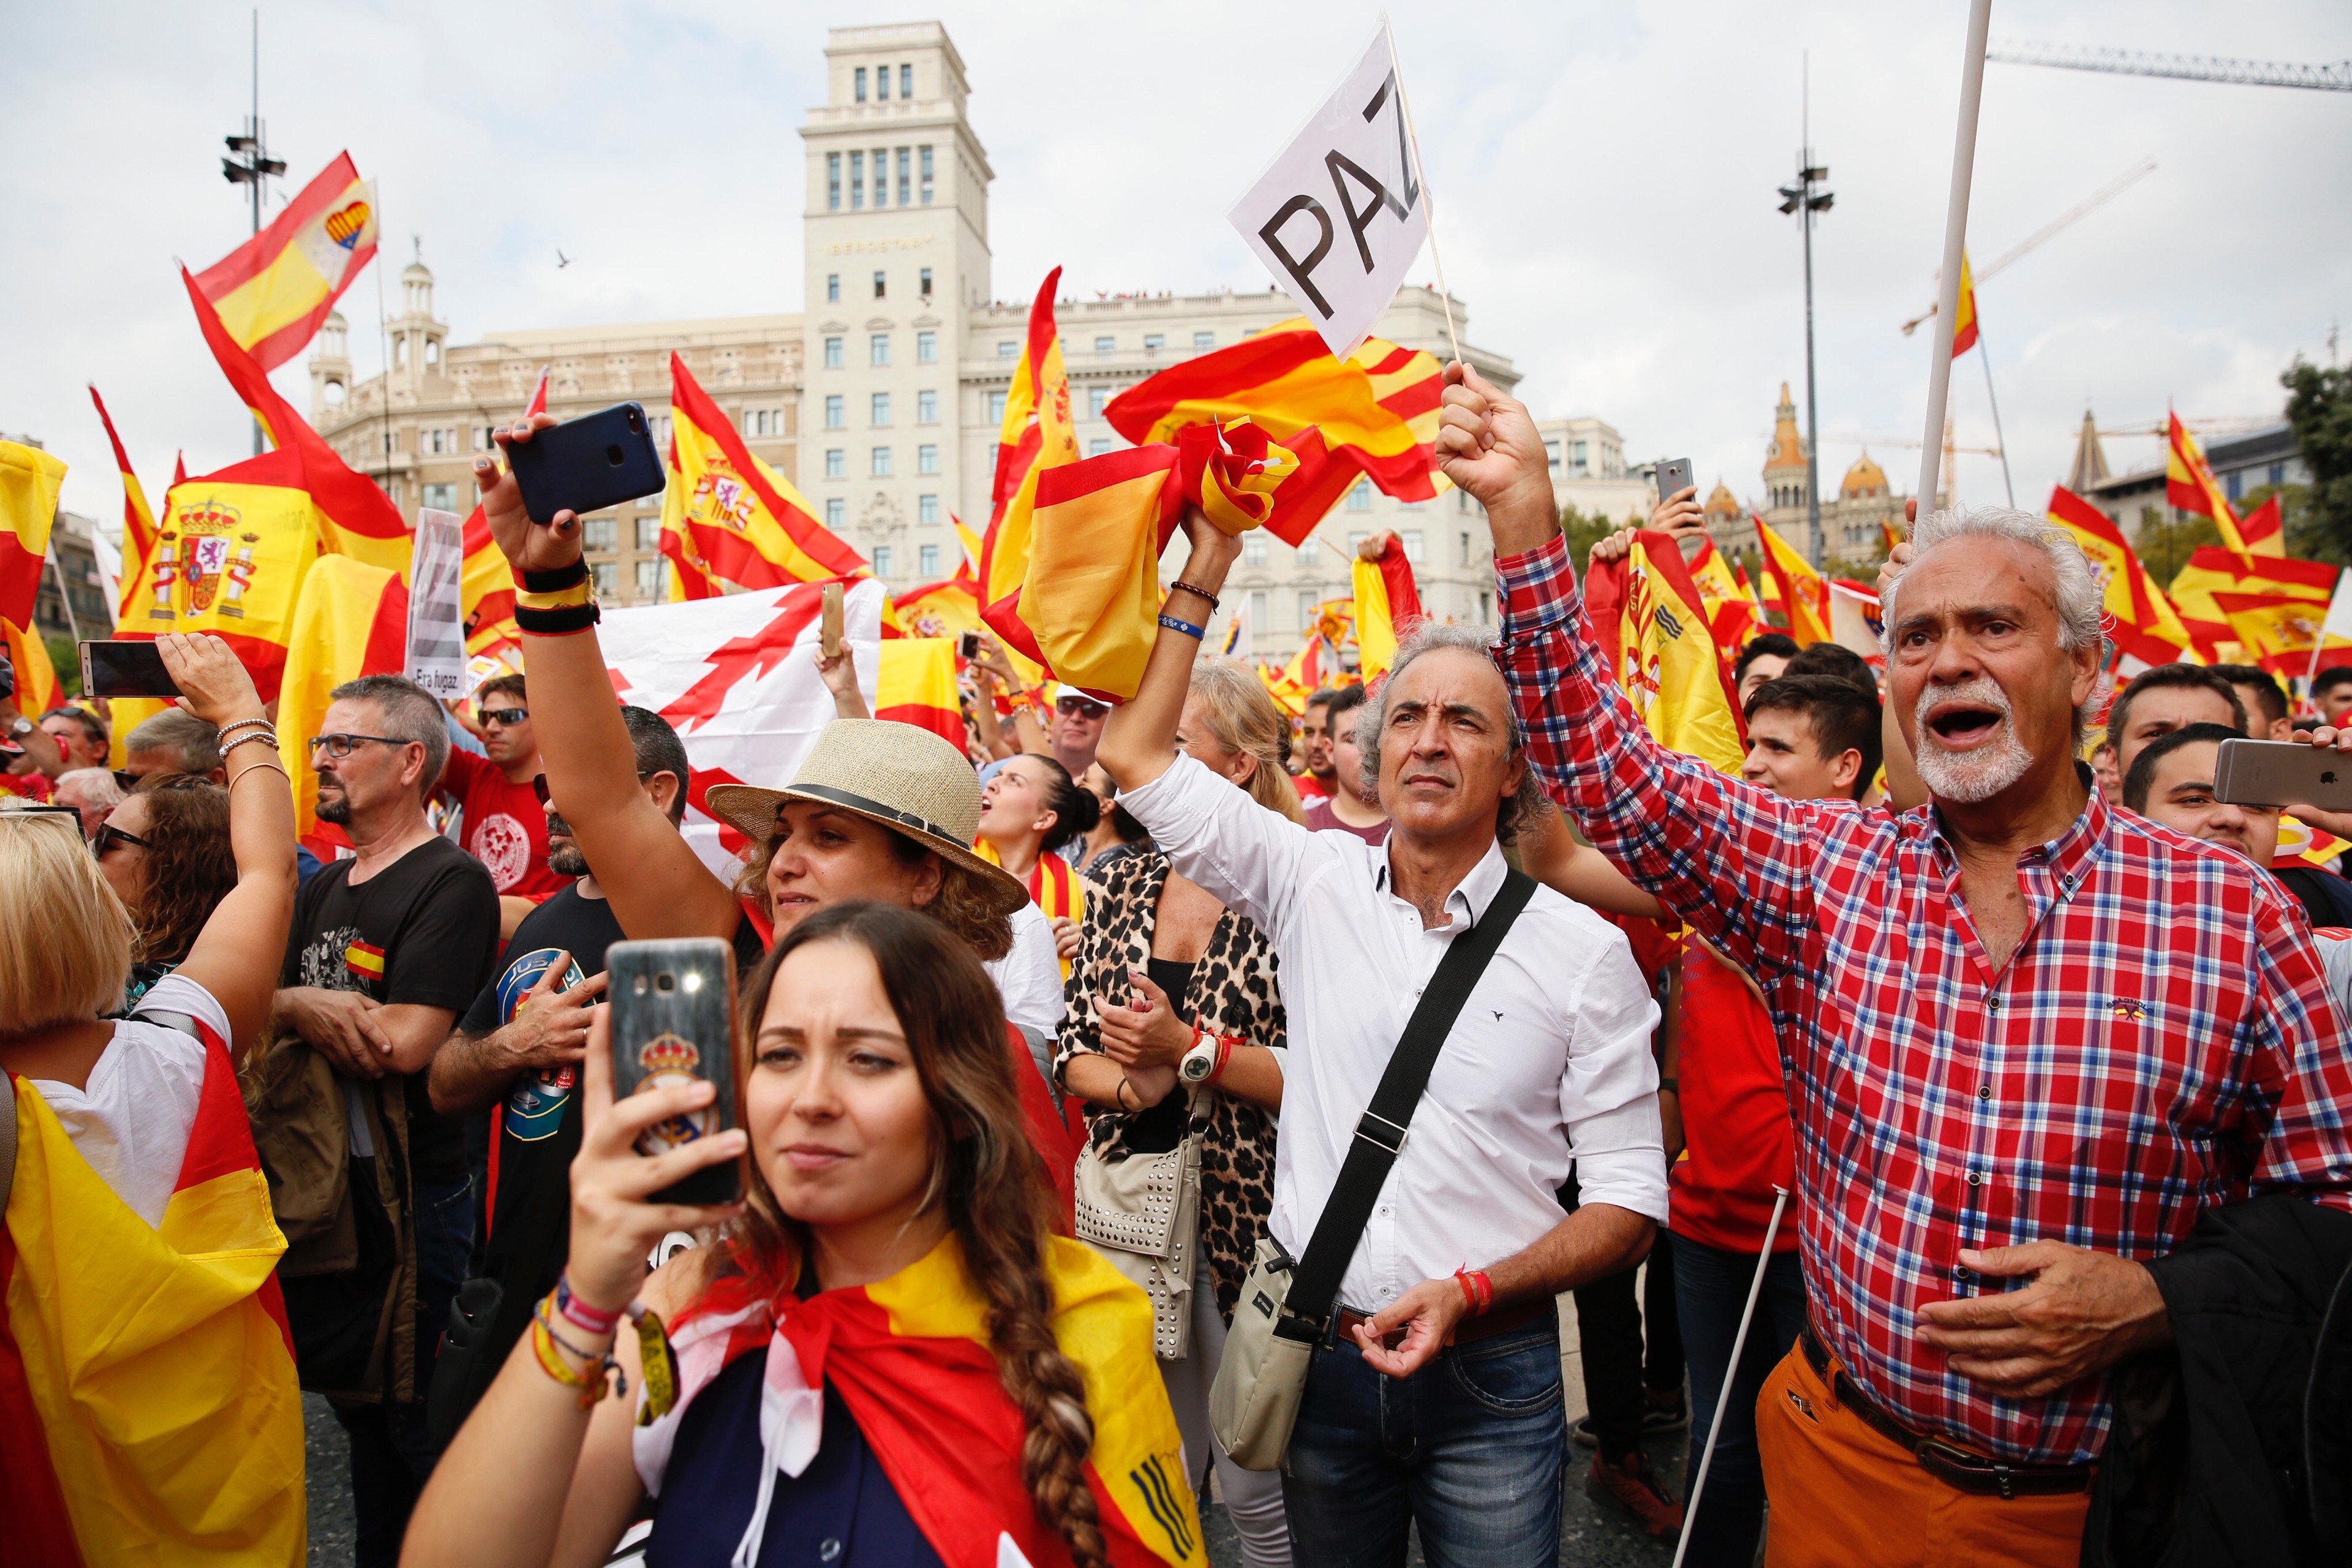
[[1940, 1456], [1470, 1331]]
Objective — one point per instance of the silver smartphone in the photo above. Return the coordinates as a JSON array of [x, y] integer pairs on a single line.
[[1674, 475], [2283, 773]]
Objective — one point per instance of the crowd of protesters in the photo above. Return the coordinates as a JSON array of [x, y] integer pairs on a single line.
[[1946, 1122]]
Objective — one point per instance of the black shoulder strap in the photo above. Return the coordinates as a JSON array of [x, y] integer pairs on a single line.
[[1381, 1133]]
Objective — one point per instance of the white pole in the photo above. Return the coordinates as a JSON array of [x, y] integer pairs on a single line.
[[1956, 233], [1445, 294], [1738, 1345]]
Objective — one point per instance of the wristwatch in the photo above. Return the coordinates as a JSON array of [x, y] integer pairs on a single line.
[[23, 726], [1208, 1054]]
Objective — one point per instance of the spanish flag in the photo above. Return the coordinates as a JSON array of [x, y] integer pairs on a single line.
[[29, 479], [1647, 614], [2264, 527], [2213, 570], [485, 583], [1964, 315], [273, 291], [726, 517], [1056, 890], [1730, 611], [1804, 596], [351, 620], [1374, 413], [38, 690], [148, 1406], [1388, 603], [2190, 485], [138, 519], [915, 683], [1036, 436], [909, 1356], [2144, 623], [1291, 685], [355, 517], [2280, 632]]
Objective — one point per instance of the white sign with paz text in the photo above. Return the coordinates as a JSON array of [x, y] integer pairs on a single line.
[[437, 616], [1343, 211]]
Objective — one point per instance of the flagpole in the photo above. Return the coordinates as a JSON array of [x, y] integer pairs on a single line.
[[1445, 294], [1956, 230], [1731, 1376], [56, 575], [1984, 356]]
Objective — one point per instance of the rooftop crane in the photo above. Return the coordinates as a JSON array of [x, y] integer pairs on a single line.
[[2082, 209], [2336, 78], [1831, 439]]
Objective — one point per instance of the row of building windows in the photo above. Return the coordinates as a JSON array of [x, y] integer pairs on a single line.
[[881, 285], [1153, 342], [836, 515], [914, 182], [837, 409], [880, 463], [882, 82], [878, 350]]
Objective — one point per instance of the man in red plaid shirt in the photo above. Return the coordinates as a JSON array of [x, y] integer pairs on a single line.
[[2030, 1038]]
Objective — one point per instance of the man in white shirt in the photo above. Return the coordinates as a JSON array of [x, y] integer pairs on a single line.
[[1548, 1064]]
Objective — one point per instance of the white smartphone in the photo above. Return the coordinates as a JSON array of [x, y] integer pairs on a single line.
[[2283, 773]]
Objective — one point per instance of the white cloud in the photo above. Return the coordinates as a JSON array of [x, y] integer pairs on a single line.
[[1604, 177]]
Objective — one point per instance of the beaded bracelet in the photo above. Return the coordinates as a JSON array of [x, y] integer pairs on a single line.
[[234, 725], [1181, 586]]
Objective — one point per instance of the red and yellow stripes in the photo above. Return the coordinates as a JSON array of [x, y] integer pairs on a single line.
[[2190, 485], [273, 291], [2213, 570], [1804, 597], [2144, 624], [1964, 315], [915, 683], [138, 519], [1388, 606], [485, 583], [1037, 435], [30, 480], [1649, 616], [728, 517]]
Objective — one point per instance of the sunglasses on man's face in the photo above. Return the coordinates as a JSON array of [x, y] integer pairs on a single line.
[[539, 784], [505, 717], [1078, 705]]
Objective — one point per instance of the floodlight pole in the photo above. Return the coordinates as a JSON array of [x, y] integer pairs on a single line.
[[252, 165], [1804, 200]]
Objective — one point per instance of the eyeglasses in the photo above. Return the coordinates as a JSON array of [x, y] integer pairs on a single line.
[[539, 782], [1079, 705], [503, 717], [341, 746], [108, 835], [125, 780]]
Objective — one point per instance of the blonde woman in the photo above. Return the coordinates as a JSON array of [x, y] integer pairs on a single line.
[[1165, 971]]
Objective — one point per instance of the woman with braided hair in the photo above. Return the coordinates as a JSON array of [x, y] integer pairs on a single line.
[[887, 1354]]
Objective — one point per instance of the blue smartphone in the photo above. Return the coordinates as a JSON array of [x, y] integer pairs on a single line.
[[587, 464]]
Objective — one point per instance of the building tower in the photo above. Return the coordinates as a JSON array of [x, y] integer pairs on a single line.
[[330, 371], [895, 245], [2090, 458], [417, 337], [1785, 486]]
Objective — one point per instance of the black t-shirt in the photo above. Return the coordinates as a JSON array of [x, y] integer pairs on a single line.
[[536, 1126], [423, 932]]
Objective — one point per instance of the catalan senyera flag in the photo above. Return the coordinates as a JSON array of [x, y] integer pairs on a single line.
[[149, 1412], [2212, 569], [138, 518], [29, 479], [38, 690], [1804, 596], [915, 683], [351, 620], [1964, 314], [2280, 631], [355, 517], [273, 291], [729, 518], [1037, 435], [1647, 613], [1388, 604], [908, 1356], [2144, 623], [1375, 413], [2190, 485], [485, 583]]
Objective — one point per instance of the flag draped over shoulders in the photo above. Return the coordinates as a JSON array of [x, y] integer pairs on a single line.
[[148, 1406], [909, 1357]]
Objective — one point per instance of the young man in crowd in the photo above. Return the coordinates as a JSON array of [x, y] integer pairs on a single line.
[[2331, 692], [1314, 741], [81, 737], [2157, 701], [1972, 1215], [386, 950], [2264, 699], [1766, 655], [1810, 737], [1418, 1410], [174, 742], [1351, 806], [504, 828], [516, 1055]]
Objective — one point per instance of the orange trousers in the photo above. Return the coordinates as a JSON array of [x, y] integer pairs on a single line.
[[1843, 1495]]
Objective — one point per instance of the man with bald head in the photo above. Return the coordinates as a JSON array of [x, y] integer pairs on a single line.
[[1978, 1001]]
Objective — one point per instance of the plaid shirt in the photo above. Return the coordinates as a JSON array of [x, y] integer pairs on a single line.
[[2162, 1041]]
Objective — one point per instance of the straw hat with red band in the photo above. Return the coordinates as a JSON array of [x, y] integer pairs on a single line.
[[908, 779]]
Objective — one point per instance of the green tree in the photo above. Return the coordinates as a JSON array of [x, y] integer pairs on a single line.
[[66, 655], [2319, 410], [2164, 547], [2305, 540], [1583, 530]]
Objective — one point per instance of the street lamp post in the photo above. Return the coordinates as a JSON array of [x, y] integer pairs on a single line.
[[1805, 198], [253, 164]]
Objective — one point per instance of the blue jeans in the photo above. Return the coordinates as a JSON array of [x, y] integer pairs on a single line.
[[392, 1457], [1469, 1449], [1710, 1292]]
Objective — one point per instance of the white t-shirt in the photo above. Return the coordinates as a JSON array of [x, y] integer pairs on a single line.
[[1029, 978], [131, 1122]]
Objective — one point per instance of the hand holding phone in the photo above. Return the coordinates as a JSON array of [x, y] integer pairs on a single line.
[[2282, 774], [598, 460], [673, 1007], [829, 628], [1674, 477], [967, 646], [126, 669]]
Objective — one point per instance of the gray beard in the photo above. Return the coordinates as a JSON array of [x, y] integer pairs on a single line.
[[1971, 778]]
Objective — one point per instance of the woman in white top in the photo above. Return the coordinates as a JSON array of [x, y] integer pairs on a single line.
[[148, 1104]]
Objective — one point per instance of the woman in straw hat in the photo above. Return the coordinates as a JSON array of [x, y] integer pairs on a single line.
[[877, 810]]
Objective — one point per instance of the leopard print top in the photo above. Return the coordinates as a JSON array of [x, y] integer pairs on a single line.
[[1234, 993]]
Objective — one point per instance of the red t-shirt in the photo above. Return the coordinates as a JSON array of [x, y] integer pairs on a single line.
[[505, 827], [1309, 787], [1734, 1114]]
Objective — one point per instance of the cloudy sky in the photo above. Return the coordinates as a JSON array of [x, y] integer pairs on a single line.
[[1604, 175]]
